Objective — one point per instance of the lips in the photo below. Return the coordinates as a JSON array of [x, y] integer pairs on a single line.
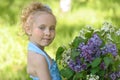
[[46, 39]]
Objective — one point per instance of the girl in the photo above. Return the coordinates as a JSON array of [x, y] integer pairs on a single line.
[[39, 24]]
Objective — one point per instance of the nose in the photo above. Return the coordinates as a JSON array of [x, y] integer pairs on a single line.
[[47, 32]]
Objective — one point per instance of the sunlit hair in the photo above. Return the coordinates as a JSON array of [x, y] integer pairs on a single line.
[[32, 9]]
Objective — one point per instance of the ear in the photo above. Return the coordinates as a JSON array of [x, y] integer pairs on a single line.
[[28, 31]]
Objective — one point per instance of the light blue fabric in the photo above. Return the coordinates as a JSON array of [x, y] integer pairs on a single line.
[[54, 72]]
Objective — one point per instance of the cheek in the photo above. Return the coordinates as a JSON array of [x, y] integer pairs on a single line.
[[54, 34], [37, 32]]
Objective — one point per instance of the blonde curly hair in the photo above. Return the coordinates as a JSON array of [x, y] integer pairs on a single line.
[[31, 10]]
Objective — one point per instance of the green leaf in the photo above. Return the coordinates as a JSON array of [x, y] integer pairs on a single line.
[[88, 34], [96, 62], [95, 70], [107, 61], [74, 54], [67, 73], [77, 41], [79, 75], [103, 43], [101, 73], [59, 52], [115, 38]]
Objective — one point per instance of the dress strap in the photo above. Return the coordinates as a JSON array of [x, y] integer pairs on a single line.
[[33, 47]]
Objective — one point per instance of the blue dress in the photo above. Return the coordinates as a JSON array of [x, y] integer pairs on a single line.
[[53, 68]]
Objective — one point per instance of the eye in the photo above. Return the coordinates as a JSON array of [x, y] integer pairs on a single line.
[[42, 27], [52, 28]]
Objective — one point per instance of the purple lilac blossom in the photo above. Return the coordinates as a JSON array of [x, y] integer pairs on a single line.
[[71, 64], [86, 53], [91, 49], [118, 74], [113, 76], [98, 53], [95, 41], [104, 50], [77, 66], [84, 66], [111, 48], [102, 66], [78, 61], [81, 45]]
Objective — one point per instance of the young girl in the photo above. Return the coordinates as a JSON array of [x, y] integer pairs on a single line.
[[39, 24]]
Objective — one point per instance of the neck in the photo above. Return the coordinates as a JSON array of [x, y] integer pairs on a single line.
[[41, 47]]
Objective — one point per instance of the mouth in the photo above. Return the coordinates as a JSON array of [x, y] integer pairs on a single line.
[[47, 39]]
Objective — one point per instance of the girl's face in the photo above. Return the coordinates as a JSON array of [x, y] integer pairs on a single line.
[[43, 29]]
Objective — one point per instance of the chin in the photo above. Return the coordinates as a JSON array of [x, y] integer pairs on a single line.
[[46, 44]]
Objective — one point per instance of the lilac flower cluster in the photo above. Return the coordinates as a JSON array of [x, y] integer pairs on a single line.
[[90, 51], [77, 65], [115, 75], [110, 48], [92, 55]]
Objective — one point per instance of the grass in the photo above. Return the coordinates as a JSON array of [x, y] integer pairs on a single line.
[[12, 55]]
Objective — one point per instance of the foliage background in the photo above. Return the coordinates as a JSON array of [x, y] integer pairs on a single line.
[[13, 44]]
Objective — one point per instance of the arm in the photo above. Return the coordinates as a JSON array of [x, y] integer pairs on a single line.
[[40, 66]]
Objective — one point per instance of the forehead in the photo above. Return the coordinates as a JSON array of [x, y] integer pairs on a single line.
[[43, 15], [44, 18]]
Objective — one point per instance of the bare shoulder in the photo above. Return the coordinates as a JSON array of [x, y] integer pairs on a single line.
[[35, 56], [35, 59]]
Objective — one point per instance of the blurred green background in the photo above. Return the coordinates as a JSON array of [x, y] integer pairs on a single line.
[[13, 44]]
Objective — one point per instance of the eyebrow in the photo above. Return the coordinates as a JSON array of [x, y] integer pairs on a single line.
[[52, 25], [45, 25]]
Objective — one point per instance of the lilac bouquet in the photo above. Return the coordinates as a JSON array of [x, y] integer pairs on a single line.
[[93, 55]]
